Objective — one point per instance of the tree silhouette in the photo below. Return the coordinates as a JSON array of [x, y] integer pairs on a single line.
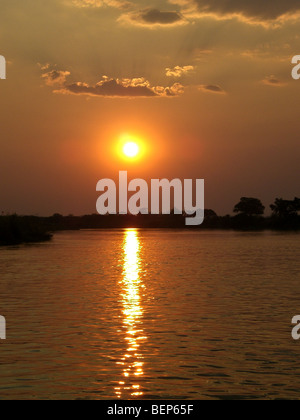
[[285, 208], [249, 207]]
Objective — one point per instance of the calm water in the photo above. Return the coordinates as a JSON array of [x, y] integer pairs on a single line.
[[151, 314]]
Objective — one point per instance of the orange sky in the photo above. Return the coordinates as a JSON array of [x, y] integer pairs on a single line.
[[206, 85]]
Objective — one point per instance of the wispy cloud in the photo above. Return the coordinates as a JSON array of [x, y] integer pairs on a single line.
[[118, 4]]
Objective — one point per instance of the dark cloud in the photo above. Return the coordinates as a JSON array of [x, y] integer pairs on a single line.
[[256, 9], [272, 81], [156, 16], [150, 17], [212, 89]]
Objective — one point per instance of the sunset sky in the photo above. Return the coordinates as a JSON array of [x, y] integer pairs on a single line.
[[205, 86]]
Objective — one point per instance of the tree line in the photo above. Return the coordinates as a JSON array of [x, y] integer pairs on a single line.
[[282, 209], [248, 215]]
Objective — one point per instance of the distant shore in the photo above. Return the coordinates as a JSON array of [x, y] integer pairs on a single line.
[[16, 230]]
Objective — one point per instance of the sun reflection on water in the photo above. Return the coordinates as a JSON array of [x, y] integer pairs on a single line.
[[131, 292]]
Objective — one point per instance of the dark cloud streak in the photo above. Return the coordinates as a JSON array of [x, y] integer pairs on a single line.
[[256, 9]]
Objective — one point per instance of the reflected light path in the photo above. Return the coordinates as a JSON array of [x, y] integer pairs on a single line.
[[131, 291]]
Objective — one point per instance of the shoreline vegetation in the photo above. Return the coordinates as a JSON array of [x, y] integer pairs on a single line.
[[249, 216], [16, 230]]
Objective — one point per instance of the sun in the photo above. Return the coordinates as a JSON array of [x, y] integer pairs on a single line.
[[131, 149]]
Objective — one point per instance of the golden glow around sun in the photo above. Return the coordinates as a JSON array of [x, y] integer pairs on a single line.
[[131, 149]]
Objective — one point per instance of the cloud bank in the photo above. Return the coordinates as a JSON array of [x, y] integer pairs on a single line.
[[110, 87]]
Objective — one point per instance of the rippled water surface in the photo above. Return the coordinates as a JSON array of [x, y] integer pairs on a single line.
[[151, 314]]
